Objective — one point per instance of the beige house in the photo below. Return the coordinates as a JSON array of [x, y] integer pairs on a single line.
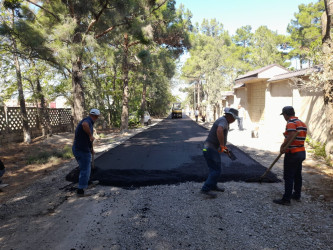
[[264, 92]]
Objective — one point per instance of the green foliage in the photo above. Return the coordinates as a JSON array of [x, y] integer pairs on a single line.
[[264, 49], [134, 119], [12, 4], [305, 32]]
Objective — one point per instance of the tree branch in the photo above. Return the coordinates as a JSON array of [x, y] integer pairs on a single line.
[[159, 6], [97, 17], [47, 11], [133, 43], [108, 30]]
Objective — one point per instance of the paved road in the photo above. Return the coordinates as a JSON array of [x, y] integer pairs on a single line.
[[168, 153], [165, 146]]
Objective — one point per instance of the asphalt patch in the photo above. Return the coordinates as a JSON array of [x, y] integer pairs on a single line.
[[168, 153], [241, 169]]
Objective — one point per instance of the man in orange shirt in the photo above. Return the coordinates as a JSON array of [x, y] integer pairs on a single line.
[[294, 156]]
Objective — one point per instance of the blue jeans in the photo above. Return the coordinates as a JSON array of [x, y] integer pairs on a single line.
[[84, 160], [292, 174], [213, 160]]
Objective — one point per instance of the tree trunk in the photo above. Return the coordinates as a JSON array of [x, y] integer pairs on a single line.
[[78, 94], [26, 131], [199, 83], [143, 100], [43, 114], [328, 86], [124, 114]]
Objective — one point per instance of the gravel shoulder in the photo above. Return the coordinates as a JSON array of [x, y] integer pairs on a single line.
[[48, 215]]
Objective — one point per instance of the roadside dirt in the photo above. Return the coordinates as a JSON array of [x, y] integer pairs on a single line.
[[20, 175]]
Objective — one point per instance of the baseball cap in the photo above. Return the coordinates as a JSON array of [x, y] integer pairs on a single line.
[[232, 111], [288, 110], [94, 112]]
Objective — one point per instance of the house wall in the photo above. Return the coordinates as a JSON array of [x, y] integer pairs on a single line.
[[256, 101], [278, 95], [264, 100], [308, 107], [241, 97], [230, 101]]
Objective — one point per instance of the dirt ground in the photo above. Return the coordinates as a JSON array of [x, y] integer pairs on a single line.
[[15, 156], [19, 175]]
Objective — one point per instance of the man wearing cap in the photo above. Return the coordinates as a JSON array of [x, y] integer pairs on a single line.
[[214, 145], [294, 156], [82, 148]]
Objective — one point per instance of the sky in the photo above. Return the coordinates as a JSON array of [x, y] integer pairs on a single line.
[[233, 14]]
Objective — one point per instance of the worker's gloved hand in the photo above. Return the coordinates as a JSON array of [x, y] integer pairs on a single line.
[[223, 149]]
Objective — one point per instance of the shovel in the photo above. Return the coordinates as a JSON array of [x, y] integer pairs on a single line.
[[231, 155], [260, 179]]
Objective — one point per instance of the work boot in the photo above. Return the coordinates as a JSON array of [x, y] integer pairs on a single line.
[[80, 192], [219, 189], [208, 194], [282, 202], [296, 197]]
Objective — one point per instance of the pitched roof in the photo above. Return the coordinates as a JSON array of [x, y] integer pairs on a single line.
[[298, 73], [239, 85], [227, 93], [257, 71]]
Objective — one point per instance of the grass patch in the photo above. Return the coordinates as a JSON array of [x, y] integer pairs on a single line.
[[318, 149], [47, 156]]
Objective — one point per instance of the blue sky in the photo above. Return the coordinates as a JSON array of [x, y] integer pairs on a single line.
[[233, 14]]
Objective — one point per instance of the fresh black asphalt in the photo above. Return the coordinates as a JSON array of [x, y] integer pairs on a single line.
[[168, 153]]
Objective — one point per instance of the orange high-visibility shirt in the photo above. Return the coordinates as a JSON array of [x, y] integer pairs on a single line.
[[294, 124]]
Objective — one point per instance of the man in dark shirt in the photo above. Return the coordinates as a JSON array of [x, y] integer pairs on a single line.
[[82, 148], [213, 146]]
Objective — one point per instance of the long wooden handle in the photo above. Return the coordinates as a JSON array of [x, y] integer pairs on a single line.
[[278, 157], [92, 157]]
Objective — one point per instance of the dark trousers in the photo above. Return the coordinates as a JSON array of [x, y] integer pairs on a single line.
[[292, 174], [213, 160]]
